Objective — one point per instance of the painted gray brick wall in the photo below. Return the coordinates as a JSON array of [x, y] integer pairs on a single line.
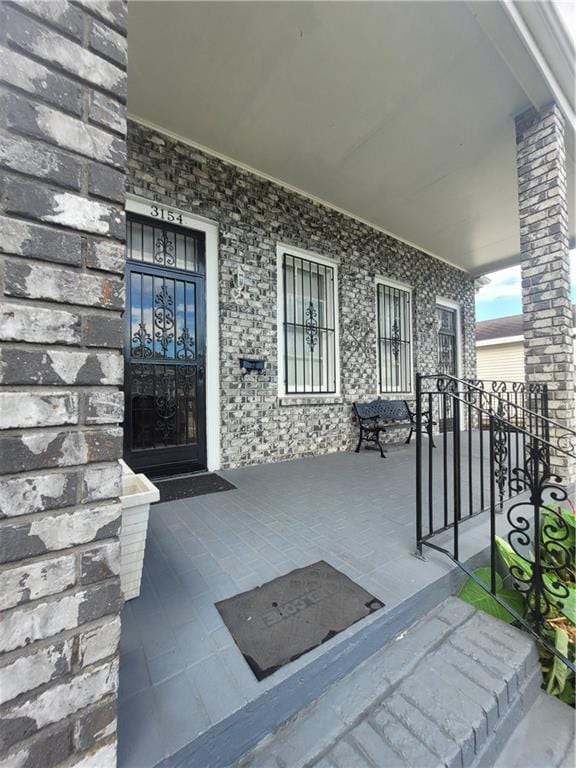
[[253, 215], [62, 231], [544, 245]]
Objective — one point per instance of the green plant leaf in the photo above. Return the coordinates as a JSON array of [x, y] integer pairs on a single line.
[[568, 695], [513, 560], [569, 516], [514, 599], [484, 575], [566, 606], [559, 672], [473, 594]]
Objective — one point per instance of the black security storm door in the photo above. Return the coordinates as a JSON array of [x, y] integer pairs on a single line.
[[165, 430]]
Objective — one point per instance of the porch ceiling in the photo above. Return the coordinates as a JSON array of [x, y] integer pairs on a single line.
[[400, 113]]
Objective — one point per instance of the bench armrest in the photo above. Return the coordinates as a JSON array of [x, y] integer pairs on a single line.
[[425, 415]]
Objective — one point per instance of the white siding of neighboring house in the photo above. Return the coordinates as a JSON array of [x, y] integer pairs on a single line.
[[504, 362], [501, 362]]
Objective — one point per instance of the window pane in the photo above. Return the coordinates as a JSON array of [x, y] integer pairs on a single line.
[[447, 340], [394, 338], [309, 326]]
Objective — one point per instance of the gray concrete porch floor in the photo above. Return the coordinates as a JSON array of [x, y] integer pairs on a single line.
[[180, 670]]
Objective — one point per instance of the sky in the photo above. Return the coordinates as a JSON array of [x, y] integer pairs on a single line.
[[503, 294]]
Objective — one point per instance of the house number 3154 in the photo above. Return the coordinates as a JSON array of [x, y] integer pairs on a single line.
[[162, 213]]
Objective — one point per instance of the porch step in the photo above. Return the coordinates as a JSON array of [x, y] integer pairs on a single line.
[[544, 738], [448, 691]]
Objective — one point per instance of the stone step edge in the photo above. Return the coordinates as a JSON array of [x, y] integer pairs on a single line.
[[545, 736], [456, 615], [428, 633], [525, 698], [248, 726]]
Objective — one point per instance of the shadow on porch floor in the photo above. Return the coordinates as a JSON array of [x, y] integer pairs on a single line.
[[180, 670]]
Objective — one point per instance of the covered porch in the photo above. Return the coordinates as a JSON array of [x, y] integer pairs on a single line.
[[183, 680], [413, 145]]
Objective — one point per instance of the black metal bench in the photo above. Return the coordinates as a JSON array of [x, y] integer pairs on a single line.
[[374, 417]]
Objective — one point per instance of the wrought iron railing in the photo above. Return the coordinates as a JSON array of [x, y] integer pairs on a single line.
[[497, 452]]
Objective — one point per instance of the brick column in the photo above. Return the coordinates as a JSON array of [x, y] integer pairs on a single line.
[[63, 160], [547, 306]]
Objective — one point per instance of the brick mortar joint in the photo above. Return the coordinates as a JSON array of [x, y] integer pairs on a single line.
[[69, 677], [26, 651], [58, 470], [72, 509], [84, 43], [85, 163], [76, 589], [75, 551], [55, 728]]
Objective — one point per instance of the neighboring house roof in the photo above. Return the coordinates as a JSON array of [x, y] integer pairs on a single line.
[[509, 328], [499, 327]]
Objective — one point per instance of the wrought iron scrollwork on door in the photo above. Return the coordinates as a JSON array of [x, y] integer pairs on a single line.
[[185, 344], [164, 319], [164, 250], [141, 379], [140, 341], [165, 405]]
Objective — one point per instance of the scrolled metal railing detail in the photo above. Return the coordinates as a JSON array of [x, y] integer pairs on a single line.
[[502, 440], [446, 384], [533, 535]]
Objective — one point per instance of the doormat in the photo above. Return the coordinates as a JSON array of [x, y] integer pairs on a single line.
[[287, 617], [186, 486]]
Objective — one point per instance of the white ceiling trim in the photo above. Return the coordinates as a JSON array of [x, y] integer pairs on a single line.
[[538, 57], [285, 185]]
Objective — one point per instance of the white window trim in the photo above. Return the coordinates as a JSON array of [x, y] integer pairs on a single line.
[[143, 206], [281, 249], [403, 287], [449, 304]]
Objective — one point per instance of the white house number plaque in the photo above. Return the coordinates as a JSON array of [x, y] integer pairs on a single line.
[[158, 212]]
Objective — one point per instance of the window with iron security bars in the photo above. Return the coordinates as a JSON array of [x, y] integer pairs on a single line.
[[309, 326], [394, 338]]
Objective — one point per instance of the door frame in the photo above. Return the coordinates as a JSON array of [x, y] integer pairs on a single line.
[[454, 306], [148, 208]]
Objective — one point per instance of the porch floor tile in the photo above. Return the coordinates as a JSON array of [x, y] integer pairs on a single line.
[[180, 670]]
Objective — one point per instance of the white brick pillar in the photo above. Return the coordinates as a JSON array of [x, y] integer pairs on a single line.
[[547, 306], [62, 167]]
